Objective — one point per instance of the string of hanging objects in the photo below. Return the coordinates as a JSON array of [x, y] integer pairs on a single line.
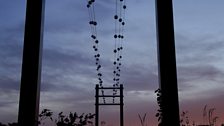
[[118, 36]]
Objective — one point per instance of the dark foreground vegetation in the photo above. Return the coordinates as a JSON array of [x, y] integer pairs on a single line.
[[72, 119]]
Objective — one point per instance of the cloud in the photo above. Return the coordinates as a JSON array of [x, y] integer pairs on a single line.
[[203, 49], [66, 72], [8, 105], [8, 83], [11, 55], [199, 66], [139, 78]]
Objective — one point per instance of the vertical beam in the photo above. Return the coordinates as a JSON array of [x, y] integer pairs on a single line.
[[121, 105], [31, 64], [97, 106], [167, 63]]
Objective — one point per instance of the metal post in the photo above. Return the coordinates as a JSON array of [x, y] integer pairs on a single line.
[[97, 106], [167, 63], [121, 106], [31, 64]]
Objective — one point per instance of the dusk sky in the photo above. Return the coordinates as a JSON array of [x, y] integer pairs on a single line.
[[68, 65]]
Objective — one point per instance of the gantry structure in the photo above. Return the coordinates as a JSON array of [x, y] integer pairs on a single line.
[[119, 103], [32, 55]]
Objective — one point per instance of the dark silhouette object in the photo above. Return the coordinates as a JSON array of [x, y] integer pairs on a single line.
[[159, 101], [167, 63], [13, 124], [2, 124], [31, 64], [142, 119], [208, 116], [103, 123], [184, 121], [9, 124], [211, 118], [45, 113], [97, 104], [205, 114], [72, 119]]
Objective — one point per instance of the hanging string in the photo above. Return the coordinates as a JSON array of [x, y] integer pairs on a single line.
[[118, 40], [121, 30], [119, 22], [93, 24]]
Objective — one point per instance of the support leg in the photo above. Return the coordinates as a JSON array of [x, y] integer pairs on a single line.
[[31, 64], [167, 63]]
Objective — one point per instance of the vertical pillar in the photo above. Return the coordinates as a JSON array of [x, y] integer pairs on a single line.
[[167, 63], [31, 64], [121, 105], [97, 106]]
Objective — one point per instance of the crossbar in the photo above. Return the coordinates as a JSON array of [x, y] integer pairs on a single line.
[[121, 103], [109, 87], [109, 96]]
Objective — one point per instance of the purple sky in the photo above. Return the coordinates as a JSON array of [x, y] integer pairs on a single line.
[[68, 72]]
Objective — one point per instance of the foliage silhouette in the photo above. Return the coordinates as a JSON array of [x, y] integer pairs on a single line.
[[142, 119], [159, 111], [72, 119], [184, 121], [9, 124], [2, 124]]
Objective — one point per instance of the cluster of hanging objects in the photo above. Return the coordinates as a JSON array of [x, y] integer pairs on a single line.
[[118, 38]]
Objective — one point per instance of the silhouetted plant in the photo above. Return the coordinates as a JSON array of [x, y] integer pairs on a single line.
[[142, 119], [9, 124], [210, 120], [193, 123], [159, 111], [2, 124], [103, 123], [184, 121], [45, 114], [13, 124], [73, 119]]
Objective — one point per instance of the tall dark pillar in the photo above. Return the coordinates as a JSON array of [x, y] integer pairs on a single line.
[[167, 63], [31, 64], [121, 105], [97, 106]]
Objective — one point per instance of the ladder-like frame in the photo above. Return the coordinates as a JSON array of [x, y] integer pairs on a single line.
[[121, 104]]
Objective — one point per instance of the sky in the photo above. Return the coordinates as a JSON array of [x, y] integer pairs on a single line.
[[68, 68]]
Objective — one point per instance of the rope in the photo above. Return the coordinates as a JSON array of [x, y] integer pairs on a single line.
[[119, 23], [93, 24], [119, 18]]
